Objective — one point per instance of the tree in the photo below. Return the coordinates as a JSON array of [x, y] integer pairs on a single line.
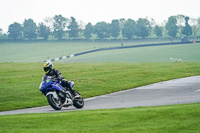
[[81, 27], [15, 31], [194, 23], [187, 29], [73, 28], [43, 31], [121, 26], [49, 22], [152, 23], [164, 27], [158, 31], [114, 28], [101, 29], [30, 29], [1, 33], [171, 26], [198, 22], [87, 33], [59, 25], [180, 22], [129, 29], [143, 28], [3, 36]]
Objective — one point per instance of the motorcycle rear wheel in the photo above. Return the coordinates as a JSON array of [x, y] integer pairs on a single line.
[[54, 103]]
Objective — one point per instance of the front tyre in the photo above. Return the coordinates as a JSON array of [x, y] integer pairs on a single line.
[[55, 103], [78, 103]]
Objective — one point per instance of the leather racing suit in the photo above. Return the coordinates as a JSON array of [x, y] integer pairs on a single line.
[[57, 76]]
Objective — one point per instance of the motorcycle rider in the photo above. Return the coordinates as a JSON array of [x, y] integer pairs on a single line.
[[57, 76]]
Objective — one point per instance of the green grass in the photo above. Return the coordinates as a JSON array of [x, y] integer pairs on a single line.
[[19, 84], [38, 52], [186, 52], [165, 119], [20, 81]]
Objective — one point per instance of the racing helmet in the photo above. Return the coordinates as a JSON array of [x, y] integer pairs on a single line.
[[48, 66]]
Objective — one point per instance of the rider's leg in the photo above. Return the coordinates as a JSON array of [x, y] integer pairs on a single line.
[[65, 83]]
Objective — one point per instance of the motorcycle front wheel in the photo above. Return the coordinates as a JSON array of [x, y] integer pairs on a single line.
[[54, 103], [78, 103]]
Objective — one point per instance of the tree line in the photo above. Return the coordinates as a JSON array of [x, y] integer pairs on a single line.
[[59, 27]]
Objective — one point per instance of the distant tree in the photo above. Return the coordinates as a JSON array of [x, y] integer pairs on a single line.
[[49, 22], [187, 29], [152, 23], [180, 22], [194, 24], [87, 33], [121, 26], [81, 27], [81, 24], [158, 31], [101, 29], [29, 29], [143, 28], [1, 33], [3, 36], [114, 28], [43, 31], [198, 22], [164, 28], [129, 29], [15, 31], [59, 25], [171, 26], [73, 28]]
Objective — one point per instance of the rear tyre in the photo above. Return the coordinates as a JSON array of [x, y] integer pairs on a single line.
[[54, 103]]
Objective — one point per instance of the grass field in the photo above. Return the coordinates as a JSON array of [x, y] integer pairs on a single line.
[[20, 81], [38, 52], [108, 71], [163, 119], [96, 74], [186, 52]]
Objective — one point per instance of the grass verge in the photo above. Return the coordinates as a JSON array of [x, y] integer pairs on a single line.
[[38, 52], [186, 52], [20, 81], [173, 119]]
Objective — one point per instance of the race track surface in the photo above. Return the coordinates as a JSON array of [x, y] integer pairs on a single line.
[[178, 91]]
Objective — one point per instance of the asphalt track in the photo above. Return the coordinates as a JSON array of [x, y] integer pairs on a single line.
[[177, 91]]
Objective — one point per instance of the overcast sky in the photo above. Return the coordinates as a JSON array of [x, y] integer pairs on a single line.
[[94, 10]]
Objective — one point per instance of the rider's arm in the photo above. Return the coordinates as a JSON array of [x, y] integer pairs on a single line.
[[44, 77], [59, 75]]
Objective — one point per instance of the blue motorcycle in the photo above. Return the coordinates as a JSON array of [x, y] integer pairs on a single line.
[[58, 96]]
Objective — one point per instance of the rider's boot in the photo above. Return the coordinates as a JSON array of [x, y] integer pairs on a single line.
[[75, 94]]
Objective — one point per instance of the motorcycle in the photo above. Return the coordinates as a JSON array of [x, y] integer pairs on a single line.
[[58, 96]]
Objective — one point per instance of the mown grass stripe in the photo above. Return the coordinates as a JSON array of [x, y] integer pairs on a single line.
[[124, 47]]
